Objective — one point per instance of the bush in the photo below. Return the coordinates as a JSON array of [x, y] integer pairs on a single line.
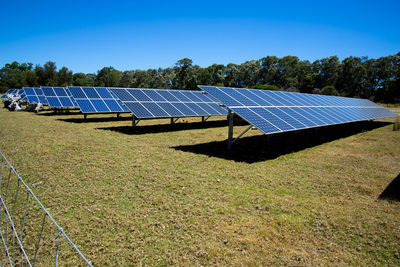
[[265, 87], [219, 85], [329, 90]]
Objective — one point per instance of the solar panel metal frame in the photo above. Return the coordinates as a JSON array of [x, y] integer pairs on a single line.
[[261, 108], [58, 97], [147, 103], [90, 105]]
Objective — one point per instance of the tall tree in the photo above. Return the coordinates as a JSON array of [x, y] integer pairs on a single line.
[[83, 79], [184, 74], [47, 75], [326, 71], [287, 73], [232, 75], [31, 78], [13, 75], [64, 77], [350, 77], [108, 76], [268, 70], [249, 73]]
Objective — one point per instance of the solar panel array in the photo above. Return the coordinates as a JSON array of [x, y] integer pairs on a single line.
[[161, 103], [10, 91], [58, 97], [96, 100], [275, 111], [35, 95]]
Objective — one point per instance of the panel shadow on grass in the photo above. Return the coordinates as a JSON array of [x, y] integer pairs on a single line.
[[161, 128], [262, 147], [96, 119], [392, 191], [57, 112]]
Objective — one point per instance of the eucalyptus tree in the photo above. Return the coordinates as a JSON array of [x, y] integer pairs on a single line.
[[326, 71], [185, 74], [108, 76], [13, 75], [64, 77], [82, 79]]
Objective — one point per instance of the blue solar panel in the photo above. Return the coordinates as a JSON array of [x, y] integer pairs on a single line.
[[21, 93], [85, 104], [10, 91], [274, 111], [159, 103], [34, 95], [96, 100], [58, 97], [6, 93]]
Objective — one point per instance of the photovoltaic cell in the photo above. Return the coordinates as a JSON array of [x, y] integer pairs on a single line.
[[161, 103], [275, 111], [96, 100]]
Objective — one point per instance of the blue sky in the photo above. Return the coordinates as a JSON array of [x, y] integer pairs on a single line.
[[88, 35]]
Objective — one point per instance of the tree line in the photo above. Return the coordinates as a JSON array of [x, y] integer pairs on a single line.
[[363, 77]]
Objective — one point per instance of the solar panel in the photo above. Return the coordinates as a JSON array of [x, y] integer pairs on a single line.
[[275, 111], [35, 95], [21, 93], [58, 97], [162, 103], [10, 91], [6, 93], [96, 100]]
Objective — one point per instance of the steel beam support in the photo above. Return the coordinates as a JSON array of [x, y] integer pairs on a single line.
[[134, 121], [240, 135], [203, 118], [230, 130]]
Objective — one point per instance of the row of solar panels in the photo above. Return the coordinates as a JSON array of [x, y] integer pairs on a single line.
[[142, 103], [274, 111], [269, 111]]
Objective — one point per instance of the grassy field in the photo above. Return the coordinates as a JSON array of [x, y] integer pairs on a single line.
[[171, 195]]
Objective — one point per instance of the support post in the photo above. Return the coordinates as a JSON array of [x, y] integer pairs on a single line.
[[134, 122], [202, 119], [172, 121], [117, 115], [230, 130], [84, 116]]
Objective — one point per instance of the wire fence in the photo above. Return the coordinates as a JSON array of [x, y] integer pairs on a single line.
[[29, 235]]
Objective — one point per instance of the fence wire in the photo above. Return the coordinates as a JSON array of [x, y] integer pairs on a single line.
[[29, 235]]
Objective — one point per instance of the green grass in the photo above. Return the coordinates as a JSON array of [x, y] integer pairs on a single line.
[[164, 195]]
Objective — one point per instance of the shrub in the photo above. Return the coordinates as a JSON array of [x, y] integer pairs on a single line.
[[329, 90], [265, 87]]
